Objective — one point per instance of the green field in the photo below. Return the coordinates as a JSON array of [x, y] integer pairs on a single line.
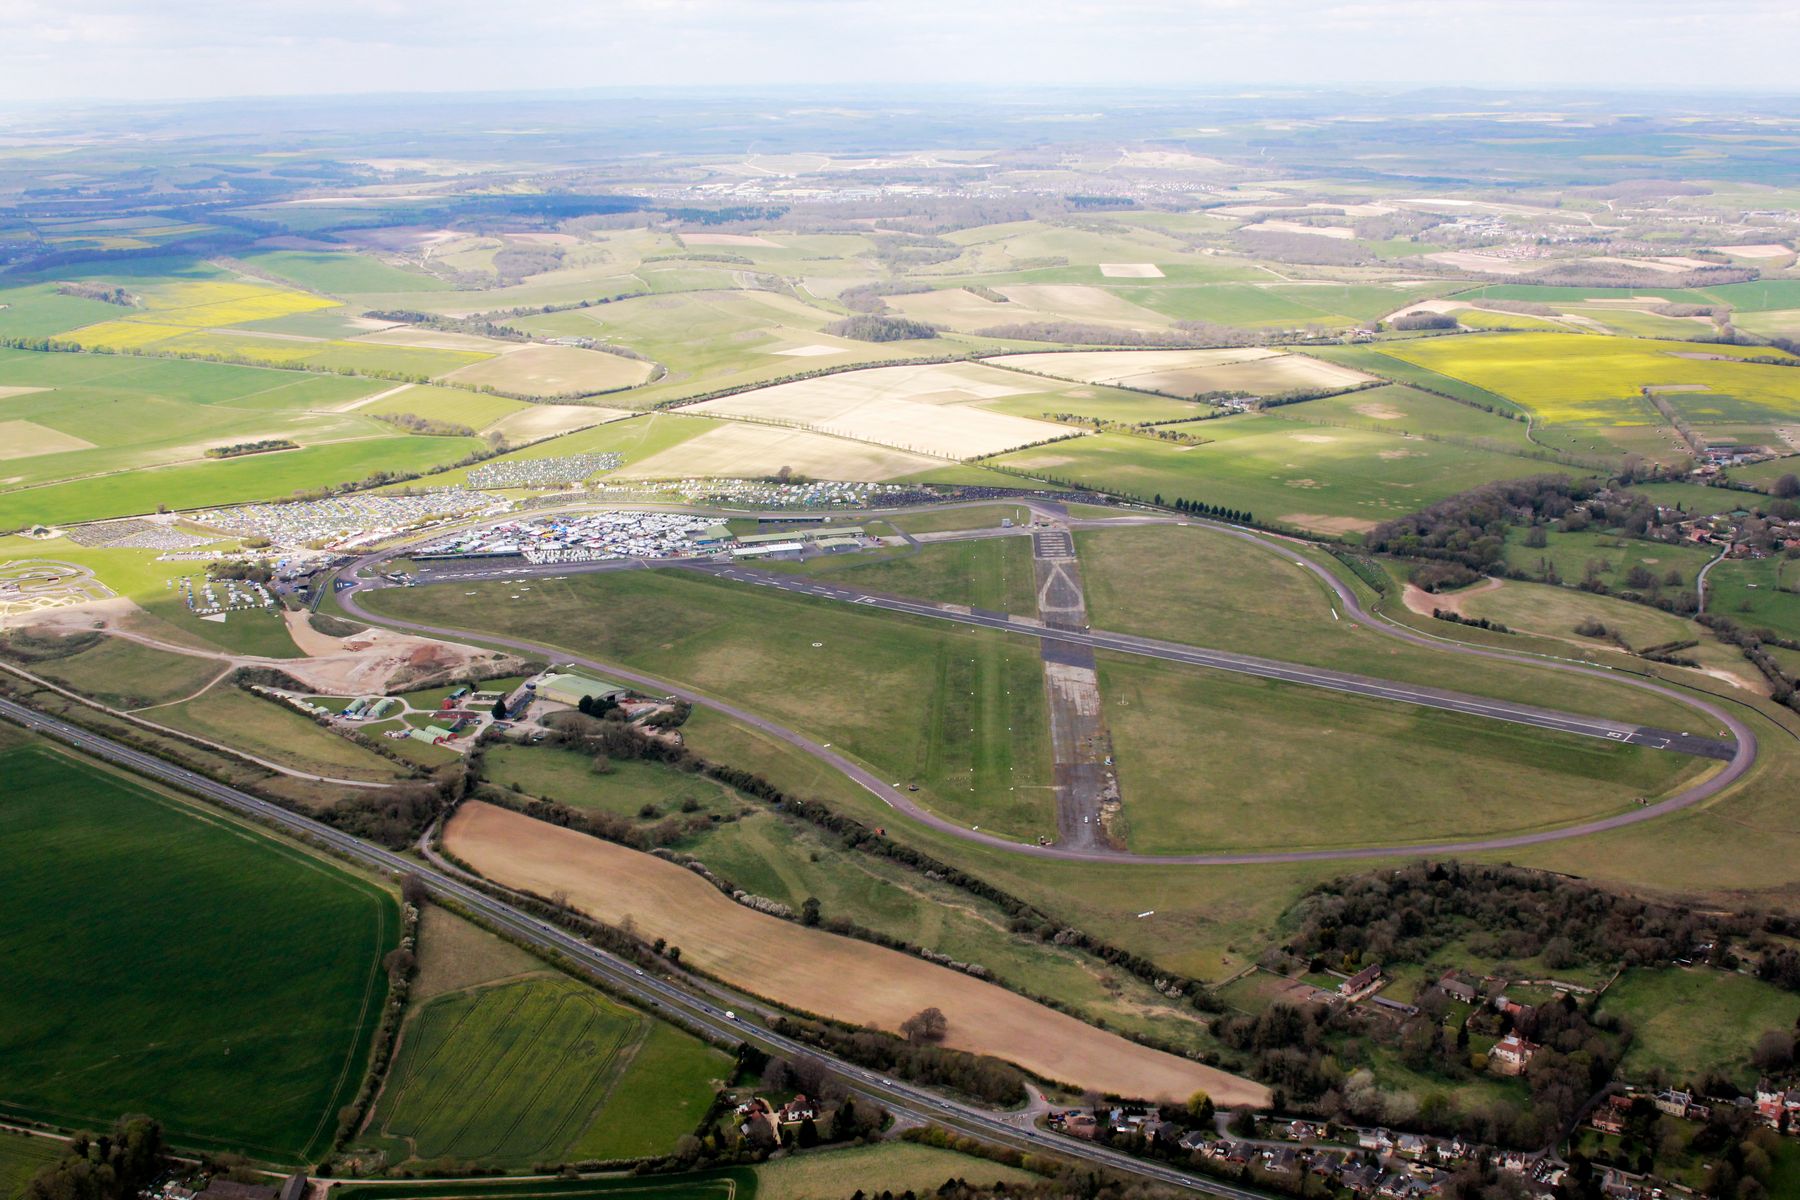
[[338, 274], [540, 1070], [1665, 1007], [731, 1183], [271, 730], [227, 481], [1757, 593], [960, 711], [93, 414], [1188, 585], [570, 778], [994, 573], [21, 1157], [978, 516], [1408, 411], [1555, 611], [247, 1032], [1329, 769], [1340, 481], [896, 1167], [124, 674]]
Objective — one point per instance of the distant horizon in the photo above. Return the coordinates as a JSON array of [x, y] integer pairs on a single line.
[[870, 93], [193, 51]]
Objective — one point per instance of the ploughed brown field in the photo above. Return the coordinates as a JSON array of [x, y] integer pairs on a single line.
[[818, 972]]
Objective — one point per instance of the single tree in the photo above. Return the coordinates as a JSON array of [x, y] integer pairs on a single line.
[[926, 1025]]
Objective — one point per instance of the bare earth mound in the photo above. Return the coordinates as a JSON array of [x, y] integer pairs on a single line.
[[814, 971]]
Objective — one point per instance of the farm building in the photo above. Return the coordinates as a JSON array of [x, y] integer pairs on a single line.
[[436, 735], [569, 689], [801, 535], [766, 548]]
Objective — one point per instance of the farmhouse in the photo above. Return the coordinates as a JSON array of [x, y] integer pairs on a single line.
[[1361, 982], [571, 689], [1511, 1054]]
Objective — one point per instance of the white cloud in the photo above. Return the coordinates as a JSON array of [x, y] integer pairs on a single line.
[[175, 48]]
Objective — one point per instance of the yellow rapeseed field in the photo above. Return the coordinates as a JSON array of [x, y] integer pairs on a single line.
[[1570, 378], [172, 309]]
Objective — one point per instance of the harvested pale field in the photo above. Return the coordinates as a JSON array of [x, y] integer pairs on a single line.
[[1263, 210], [964, 311], [739, 449], [727, 239], [548, 420], [555, 371], [1340, 232], [1488, 264], [1131, 270], [436, 339], [928, 409], [1766, 250], [25, 439], [1120, 366], [7, 393], [1193, 372], [814, 971]]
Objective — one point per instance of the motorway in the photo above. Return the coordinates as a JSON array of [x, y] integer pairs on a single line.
[[1738, 753], [676, 995]]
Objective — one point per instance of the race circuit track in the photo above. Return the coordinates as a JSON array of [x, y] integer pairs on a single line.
[[1738, 754]]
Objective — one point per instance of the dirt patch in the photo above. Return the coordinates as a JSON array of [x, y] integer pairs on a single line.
[[1314, 439], [808, 351], [1379, 411], [1131, 271], [1422, 602], [1326, 524], [1393, 454], [309, 640], [816, 971]]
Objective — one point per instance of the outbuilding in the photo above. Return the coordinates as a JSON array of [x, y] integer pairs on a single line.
[[571, 689]]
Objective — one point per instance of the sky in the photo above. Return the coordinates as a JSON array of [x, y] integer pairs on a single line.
[[173, 49]]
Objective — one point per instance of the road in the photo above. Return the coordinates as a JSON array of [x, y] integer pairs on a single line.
[[1738, 754], [671, 995]]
